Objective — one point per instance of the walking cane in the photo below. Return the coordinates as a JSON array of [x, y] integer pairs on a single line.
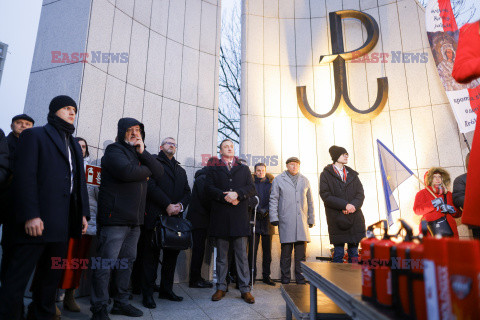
[[254, 222]]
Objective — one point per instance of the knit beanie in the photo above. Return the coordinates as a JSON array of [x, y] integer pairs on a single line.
[[60, 102], [336, 152]]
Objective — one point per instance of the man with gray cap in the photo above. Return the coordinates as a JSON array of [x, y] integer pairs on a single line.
[[342, 195], [291, 209]]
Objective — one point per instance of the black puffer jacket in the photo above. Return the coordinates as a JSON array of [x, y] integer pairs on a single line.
[[123, 190], [336, 194], [199, 209], [459, 187], [172, 188]]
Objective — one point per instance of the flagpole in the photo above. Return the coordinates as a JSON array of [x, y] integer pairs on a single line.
[[423, 184]]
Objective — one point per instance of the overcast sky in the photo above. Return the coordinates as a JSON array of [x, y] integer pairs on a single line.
[[18, 29]]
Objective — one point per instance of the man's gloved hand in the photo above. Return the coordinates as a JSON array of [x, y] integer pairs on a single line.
[[274, 223], [310, 225]]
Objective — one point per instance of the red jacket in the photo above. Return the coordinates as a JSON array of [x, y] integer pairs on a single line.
[[467, 61], [423, 207]]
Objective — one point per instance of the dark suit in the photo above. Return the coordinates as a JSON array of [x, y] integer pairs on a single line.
[[230, 224], [42, 188], [199, 215], [172, 188]]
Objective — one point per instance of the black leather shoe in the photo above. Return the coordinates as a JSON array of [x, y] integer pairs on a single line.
[[148, 302], [169, 295], [268, 281], [126, 310], [101, 314], [200, 284]]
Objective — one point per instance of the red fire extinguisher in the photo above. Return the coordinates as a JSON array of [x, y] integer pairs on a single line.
[[365, 260], [407, 274], [435, 272], [381, 268], [464, 276]]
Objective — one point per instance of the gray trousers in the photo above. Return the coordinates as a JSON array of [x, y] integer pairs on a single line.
[[286, 260], [240, 250], [116, 251]]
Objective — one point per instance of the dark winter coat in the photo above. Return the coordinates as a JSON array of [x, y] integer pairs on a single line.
[[123, 189], [171, 188], [458, 194], [41, 186], [199, 209], [336, 194], [5, 171], [12, 146], [263, 225], [227, 220]]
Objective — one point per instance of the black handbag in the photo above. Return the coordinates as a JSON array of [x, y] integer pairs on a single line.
[[440, 227], [172, 232]]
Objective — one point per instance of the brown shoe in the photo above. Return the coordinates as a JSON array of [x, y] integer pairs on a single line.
[[69, 302], [248, 298], [217, 296]]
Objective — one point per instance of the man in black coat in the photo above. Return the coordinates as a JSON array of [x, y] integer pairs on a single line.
[[458, 194], [263, 229], [19, 123], [199, 216], [4, 164], [342, 194], [126, 168], [50, 206], [168, 196], [229, 184]]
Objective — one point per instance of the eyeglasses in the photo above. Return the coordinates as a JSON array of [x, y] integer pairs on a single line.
[[173, 144]]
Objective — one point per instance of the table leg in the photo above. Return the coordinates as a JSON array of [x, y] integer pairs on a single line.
[[313, 302], [288, 316]]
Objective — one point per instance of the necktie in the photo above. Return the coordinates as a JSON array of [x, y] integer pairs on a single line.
[[229, 166]]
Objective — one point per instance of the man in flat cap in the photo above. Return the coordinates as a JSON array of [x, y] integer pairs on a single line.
[[291, 209], [19, 123], [50, 203], [342, 195]]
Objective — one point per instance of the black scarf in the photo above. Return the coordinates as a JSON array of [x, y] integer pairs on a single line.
[[61, 125]]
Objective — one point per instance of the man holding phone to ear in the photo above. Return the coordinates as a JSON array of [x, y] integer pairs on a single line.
[[126, 168]]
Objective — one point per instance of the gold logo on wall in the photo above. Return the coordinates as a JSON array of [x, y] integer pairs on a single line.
[[338, 58]]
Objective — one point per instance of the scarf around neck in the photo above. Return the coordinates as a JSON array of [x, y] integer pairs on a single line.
[[60, 124]]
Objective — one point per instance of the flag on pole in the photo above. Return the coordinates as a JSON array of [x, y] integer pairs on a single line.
[[394, 172]]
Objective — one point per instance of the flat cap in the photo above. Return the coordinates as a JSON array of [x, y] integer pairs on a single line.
[[293, 159]]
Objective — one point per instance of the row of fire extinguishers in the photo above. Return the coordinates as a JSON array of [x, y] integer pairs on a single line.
[[422, 277]]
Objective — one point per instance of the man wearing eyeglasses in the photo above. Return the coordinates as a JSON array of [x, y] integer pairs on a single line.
[[126, 168], [168, 196]]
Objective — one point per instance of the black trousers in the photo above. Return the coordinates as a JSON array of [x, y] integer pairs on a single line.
[[266, 251], [198, 252], [23, 261], [151, 258], [286, 260]]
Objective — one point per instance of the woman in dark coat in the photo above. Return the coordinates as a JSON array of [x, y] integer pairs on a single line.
[[342, 194]]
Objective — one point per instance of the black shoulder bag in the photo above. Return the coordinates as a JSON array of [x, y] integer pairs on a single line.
[[172, 232]]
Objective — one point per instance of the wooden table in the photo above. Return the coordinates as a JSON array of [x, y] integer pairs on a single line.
[[341, 282]]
